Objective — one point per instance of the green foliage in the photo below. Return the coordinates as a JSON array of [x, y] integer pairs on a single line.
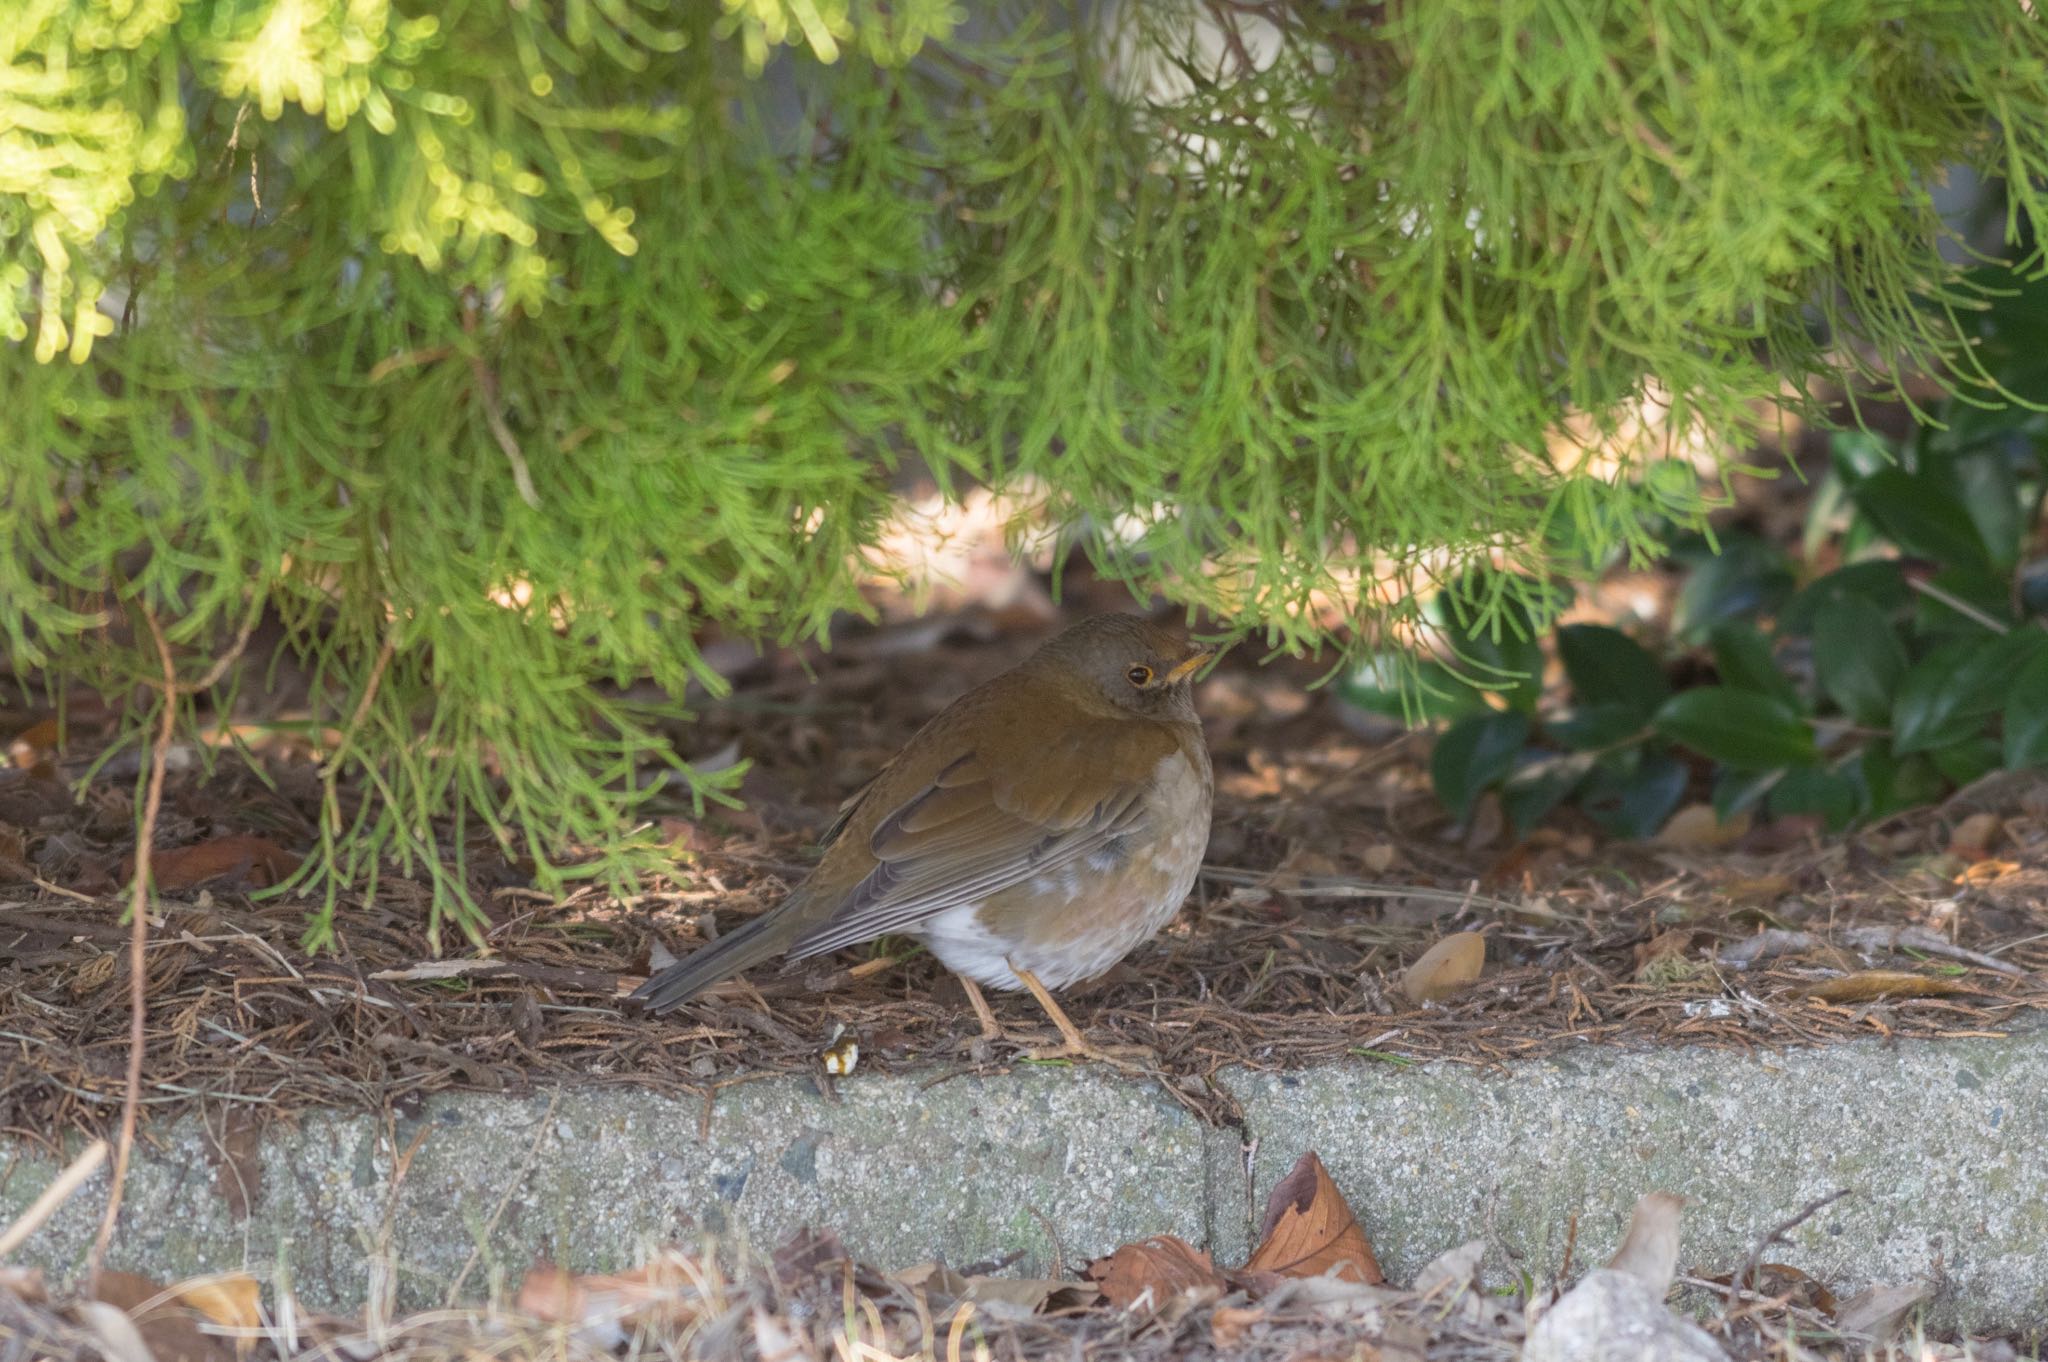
[[1879, 684], [500, 348]]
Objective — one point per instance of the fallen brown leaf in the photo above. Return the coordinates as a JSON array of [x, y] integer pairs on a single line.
[[1228, 1324], [1154, 1271], [23, 1283], [233, 1300], [1973, 836], [163, 1320], [1865, 985], [255, 861], [1697, 826], [1987, 872], [1877, 1311], [663, 1294], [34, 745], [1751, 887], [1310, 1229], [1013, 1295], [1446, 967]]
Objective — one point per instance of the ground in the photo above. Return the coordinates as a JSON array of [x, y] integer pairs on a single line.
[[1332, 869]]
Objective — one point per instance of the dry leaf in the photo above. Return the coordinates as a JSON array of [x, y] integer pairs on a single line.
[[662, 1294], [1973, 836], [1697, 826], [1310, 1229], [34, 745], [1868, 984], [237, 1159], [1748, 888], [163, 1321], [1152, 1272], [1009, 1296], [1649, 1252], [1446, 967], [1663, 959], [233, 1300], [1228, 1324], [1877, 1311], [256, 862], [1987, 872], [25, 1284], [118, 1338]]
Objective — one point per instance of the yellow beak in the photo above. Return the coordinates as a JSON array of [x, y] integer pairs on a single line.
[[1187, 666]]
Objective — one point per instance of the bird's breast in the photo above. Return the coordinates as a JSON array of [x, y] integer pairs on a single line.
[[1074, 921]]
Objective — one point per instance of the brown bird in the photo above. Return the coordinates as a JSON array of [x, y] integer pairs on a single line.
[[1032, 834]]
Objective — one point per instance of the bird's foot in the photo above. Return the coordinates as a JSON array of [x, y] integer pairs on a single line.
[[1073, 1044], [1129, 1058]]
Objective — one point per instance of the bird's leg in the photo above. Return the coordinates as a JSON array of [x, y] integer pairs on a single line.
[[1077, 1046], [990, 1028]]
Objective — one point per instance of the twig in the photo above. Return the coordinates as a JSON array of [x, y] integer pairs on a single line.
[[1959, 605], [1777, 1236], [56, 1194], [494, 416], [138, 946], [331, 772]]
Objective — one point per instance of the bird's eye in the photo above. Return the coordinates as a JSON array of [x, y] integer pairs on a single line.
[[1139, 676]]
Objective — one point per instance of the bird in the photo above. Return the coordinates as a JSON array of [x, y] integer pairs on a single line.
[[1031, 835]]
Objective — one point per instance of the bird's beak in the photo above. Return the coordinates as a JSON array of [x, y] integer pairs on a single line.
[[1187, 666]]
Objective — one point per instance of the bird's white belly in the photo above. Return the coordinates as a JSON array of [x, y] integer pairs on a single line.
[[1100, 925]]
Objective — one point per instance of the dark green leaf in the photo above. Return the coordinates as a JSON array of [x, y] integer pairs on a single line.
[[1590, 727], [1473, 754], [2026, 716], [1981, 595], [1858, 657], [1990, 492], [1540, 786], [1740, 728], [1748, 578], [1947, 695], [1815, 789], [1971, 759], [1632, 794], [1735, 791], [1881, 582], [1856, 454], [1607, 667], [1743, 658], [1922, 517]]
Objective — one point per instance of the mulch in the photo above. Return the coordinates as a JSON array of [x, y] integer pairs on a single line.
[[1332, 869]]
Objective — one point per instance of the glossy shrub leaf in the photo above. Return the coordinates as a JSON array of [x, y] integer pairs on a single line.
[[1607, 667], [1741, 728], [1947, 696], [1960, 600], [1591, 727], [1737, 791], [1971, 759], [1632, 794], [1539, 786], [2026, 716], [1817, 790], [1858, 657], [1746, 579], [1989, 489], [1881, 582], [1922, 517], [1474, 754], [1742, 655]]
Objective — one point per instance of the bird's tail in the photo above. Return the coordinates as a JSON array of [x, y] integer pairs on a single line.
[[740, 949]]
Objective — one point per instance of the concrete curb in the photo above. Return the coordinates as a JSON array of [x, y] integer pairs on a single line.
[[1946, 1145]]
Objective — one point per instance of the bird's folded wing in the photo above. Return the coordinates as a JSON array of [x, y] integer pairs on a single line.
[[971, 832]]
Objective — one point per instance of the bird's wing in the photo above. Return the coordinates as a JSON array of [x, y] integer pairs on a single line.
[[974, 831]]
